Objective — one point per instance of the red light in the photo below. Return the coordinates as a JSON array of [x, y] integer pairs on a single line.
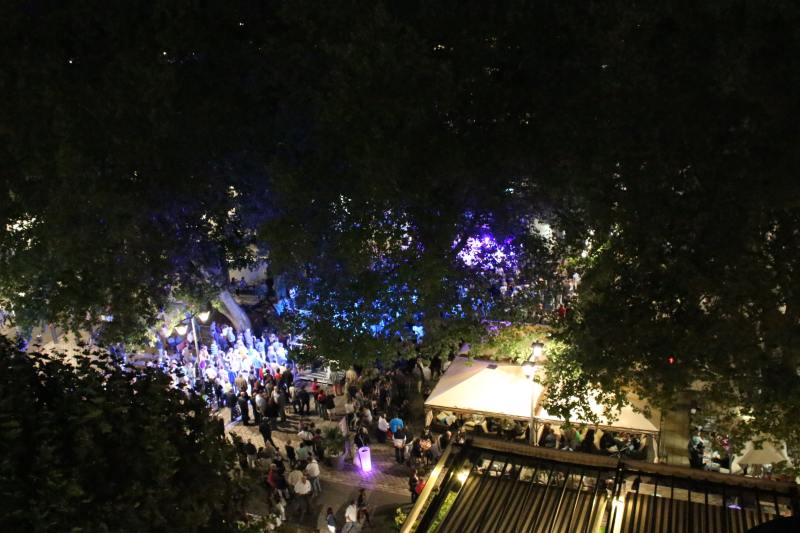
[[671, 360]]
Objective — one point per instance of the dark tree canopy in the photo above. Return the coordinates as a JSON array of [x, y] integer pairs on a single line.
[[93, 447], [362, 144]]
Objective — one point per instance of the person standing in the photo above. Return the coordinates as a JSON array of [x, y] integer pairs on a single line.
[[276, 480], [283, 400], [413, 481], [330, 406], [330, 520], [696, 452], [305, 402], [290, 453], [399, 443], [436, 366], [294, 477], [303, 452], [312, 473], [383, 427], [265, 428], [318, 445], [303, 492], [250, 450], [305, 435], [279, 504], [349, 410], [230, 401], [362, 437], [319, 403], [244, 408], [351, 513], [396, 423], [362, 508]]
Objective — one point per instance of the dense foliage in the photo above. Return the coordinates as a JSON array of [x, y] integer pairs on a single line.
[[363, 144], [87, 446]]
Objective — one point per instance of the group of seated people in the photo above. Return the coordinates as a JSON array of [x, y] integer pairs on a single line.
[[426, 449], [507, 428], [595, 441], [565, 437]]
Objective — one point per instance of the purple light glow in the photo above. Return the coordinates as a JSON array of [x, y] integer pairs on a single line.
[[486, 253], [365, 459]]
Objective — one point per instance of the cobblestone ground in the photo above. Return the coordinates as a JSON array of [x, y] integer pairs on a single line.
[[386, 485]]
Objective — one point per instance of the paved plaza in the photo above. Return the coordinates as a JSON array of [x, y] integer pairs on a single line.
[[386, 484]]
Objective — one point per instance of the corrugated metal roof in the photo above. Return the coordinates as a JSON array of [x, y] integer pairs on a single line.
[[498, 490]]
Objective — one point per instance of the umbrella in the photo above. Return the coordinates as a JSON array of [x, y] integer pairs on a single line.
[[766, 455]]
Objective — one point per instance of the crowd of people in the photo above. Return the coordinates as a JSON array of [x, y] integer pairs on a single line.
[[229, 368], [374, 407], [252, 380]]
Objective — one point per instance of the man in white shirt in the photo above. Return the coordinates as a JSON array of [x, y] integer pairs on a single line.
[[305, 435], [303, 492], [294, 477], [312, 473], [351, 513]]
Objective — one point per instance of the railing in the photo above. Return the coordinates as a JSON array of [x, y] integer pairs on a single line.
[[414, 515]]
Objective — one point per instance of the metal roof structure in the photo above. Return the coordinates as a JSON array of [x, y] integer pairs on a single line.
[[486, 485]]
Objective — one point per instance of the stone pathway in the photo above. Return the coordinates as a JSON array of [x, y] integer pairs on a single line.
[[386, 475], [386, 484]]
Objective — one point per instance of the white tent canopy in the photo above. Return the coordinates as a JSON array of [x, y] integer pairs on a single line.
[[769, 453], [624, 420], [502, 390], [485, 387]]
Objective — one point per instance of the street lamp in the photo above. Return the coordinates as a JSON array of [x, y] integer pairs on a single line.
[[529, 369], [536, 351], [203, 316], [181, 329]]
